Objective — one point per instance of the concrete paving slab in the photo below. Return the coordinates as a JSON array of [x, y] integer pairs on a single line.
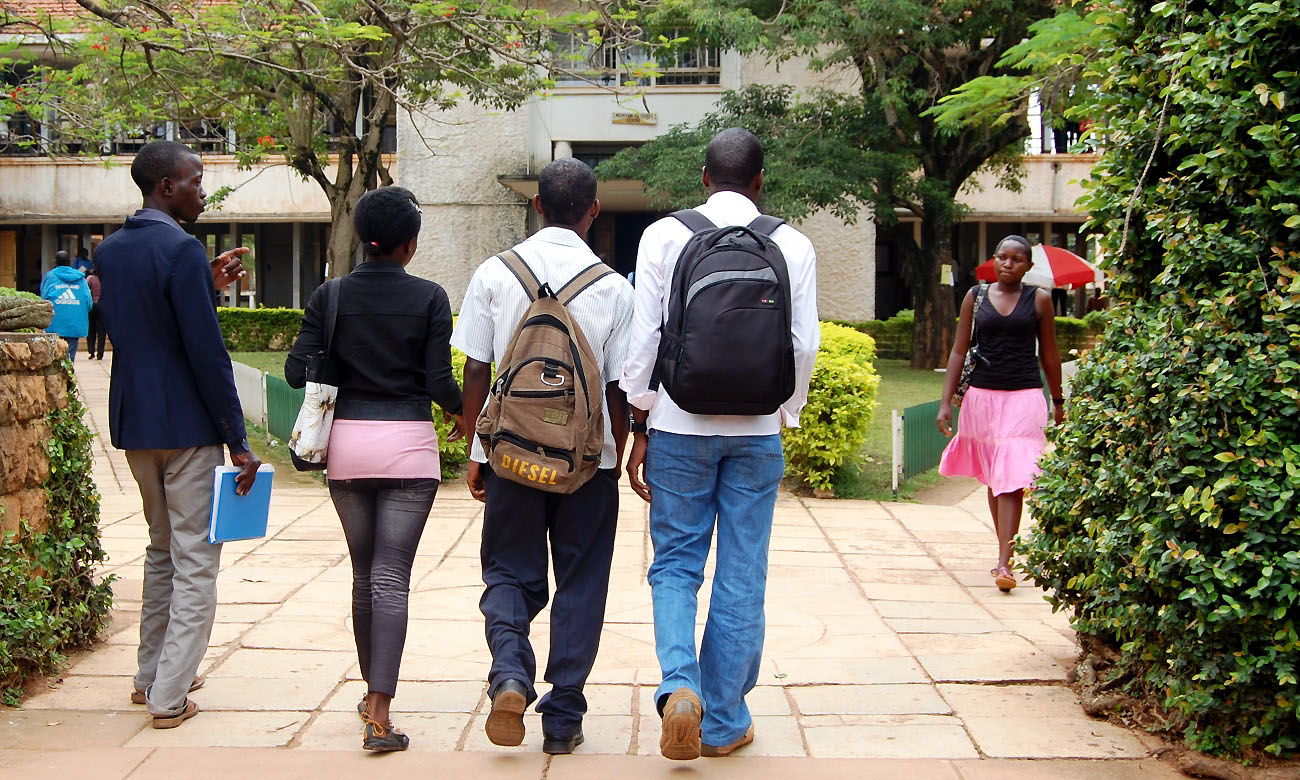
[[225, 729], [740, 767], [342, 731], [82, 764], [869, 699], [1148, 769], [890, 741], [57, 730], [219, 764]]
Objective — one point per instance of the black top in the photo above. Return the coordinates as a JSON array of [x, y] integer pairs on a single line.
[[390, 349], [172, 385], [1007, 358]]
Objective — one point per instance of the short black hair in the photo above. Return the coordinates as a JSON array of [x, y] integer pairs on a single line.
[[567, 187], [61, 258], [1017, 240], [158, 160], [734, 158], [385, 219]]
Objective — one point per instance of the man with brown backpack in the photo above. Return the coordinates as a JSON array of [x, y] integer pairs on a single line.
[[555, 320]]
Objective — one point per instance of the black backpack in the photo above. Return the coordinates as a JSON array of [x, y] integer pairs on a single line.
[[726, 346]]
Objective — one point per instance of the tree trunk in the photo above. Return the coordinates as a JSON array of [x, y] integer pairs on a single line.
[[342, 247], [932, 332]]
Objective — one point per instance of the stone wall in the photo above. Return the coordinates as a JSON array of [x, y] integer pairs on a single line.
[[32, 383]]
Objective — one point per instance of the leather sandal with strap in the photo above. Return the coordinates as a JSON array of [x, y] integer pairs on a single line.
[[1003, 578]]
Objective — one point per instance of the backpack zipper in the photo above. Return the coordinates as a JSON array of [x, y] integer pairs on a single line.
[[532, 446]]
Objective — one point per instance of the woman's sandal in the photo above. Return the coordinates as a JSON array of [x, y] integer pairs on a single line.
[[382, 737], [1003, 578]]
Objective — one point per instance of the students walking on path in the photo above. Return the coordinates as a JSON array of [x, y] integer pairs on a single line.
[[96, 333], [520, 519], [172, 406], [392, 360], [1003, 413], [715, 467]]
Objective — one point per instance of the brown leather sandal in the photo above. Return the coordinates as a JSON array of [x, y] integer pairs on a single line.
[[1003, 578]]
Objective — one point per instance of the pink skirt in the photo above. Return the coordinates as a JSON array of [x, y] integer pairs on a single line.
[[1000, 437], [395, 449]]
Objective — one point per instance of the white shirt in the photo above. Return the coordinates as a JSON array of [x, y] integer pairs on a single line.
[[656, 259], [495, 302]]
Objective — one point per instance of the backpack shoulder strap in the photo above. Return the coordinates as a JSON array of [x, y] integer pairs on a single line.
[[694, 220], [584, 279], [527, 279], [765, 224]]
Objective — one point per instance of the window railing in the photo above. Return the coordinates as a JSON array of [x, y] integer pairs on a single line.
[[575, 62]]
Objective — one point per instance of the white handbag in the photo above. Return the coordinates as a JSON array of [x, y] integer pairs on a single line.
[[310, 440]]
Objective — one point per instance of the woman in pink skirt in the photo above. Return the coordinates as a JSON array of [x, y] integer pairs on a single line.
[[1004, 414]]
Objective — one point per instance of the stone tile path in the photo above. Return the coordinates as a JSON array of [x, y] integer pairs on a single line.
[[888, 651]]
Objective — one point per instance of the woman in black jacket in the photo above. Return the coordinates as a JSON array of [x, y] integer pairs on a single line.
[[392, 360]]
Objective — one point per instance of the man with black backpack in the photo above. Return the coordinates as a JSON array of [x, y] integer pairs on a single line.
[[724, 338], [555, 320]]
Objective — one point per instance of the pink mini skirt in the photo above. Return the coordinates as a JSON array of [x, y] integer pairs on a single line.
[[396, 449], [1000, 437]]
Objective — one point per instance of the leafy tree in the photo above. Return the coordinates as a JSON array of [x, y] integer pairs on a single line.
[[1166, 513], [314, 83], [882, 147]]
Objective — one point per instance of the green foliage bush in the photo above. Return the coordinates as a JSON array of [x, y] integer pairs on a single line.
[[452, 454], [9, 292], [259, 330], [1071, 334], [49, 599], [841, 398], [1167, 512], [893, 336]]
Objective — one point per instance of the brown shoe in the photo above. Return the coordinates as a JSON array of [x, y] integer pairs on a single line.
[[505, 723], [717, 751], [1003, 578], [137, 695], [172, 721], [679, 736]]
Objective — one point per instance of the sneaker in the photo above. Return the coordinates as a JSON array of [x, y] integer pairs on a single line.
[[505, 723], [383, 737], [679, 736], [717, 751], [172, 721], [138, 697]]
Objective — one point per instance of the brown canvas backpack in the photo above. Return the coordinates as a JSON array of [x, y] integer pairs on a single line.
[[542, 425]]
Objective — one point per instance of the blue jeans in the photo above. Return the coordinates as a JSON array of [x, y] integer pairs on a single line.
[[694, 482]]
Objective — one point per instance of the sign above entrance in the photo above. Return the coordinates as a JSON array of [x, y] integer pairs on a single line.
[[634, 118]]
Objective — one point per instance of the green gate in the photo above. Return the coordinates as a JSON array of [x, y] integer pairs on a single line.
[[922, 442], [282, 405]]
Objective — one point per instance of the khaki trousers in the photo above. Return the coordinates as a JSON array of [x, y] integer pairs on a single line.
[[180, 570]]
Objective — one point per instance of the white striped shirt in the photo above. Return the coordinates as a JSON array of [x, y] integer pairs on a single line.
[[495, 302], [656, 259]]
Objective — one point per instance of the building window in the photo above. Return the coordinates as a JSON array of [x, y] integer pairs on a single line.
[[577, 63]]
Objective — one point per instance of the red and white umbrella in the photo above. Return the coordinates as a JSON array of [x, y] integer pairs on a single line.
[[1053, 267]]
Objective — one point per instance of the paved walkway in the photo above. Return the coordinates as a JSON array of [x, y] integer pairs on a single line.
[[888, 651]]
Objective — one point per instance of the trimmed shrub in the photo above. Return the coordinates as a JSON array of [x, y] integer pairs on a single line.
[[452, 454], [1167, 512], [893, 337], [50, 601], [841, 398], [259, 330], [1072, 334]]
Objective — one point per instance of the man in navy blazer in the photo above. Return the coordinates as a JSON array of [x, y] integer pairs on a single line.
[[172, 406]]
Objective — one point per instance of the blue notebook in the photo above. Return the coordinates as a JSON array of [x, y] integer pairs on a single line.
[[237, 517]]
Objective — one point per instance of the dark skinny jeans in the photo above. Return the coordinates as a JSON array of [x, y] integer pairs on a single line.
[[382, 521]]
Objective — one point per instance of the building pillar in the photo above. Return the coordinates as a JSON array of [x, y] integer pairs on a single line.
[[982, 236], [562, 150], [297, 265], [49, 245]]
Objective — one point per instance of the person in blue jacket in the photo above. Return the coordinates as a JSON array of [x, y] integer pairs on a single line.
[[172, 407], [66, 288]]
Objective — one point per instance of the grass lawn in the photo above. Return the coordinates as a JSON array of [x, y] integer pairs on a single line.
[[901, 386], [270, 362]]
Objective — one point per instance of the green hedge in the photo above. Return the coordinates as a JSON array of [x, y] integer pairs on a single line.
[[1166, 514], [50, 601], [259, 330], [894, 335], [841, 398], [453, 454]]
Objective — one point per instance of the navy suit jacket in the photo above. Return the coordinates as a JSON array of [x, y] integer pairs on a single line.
[[172, 385]]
